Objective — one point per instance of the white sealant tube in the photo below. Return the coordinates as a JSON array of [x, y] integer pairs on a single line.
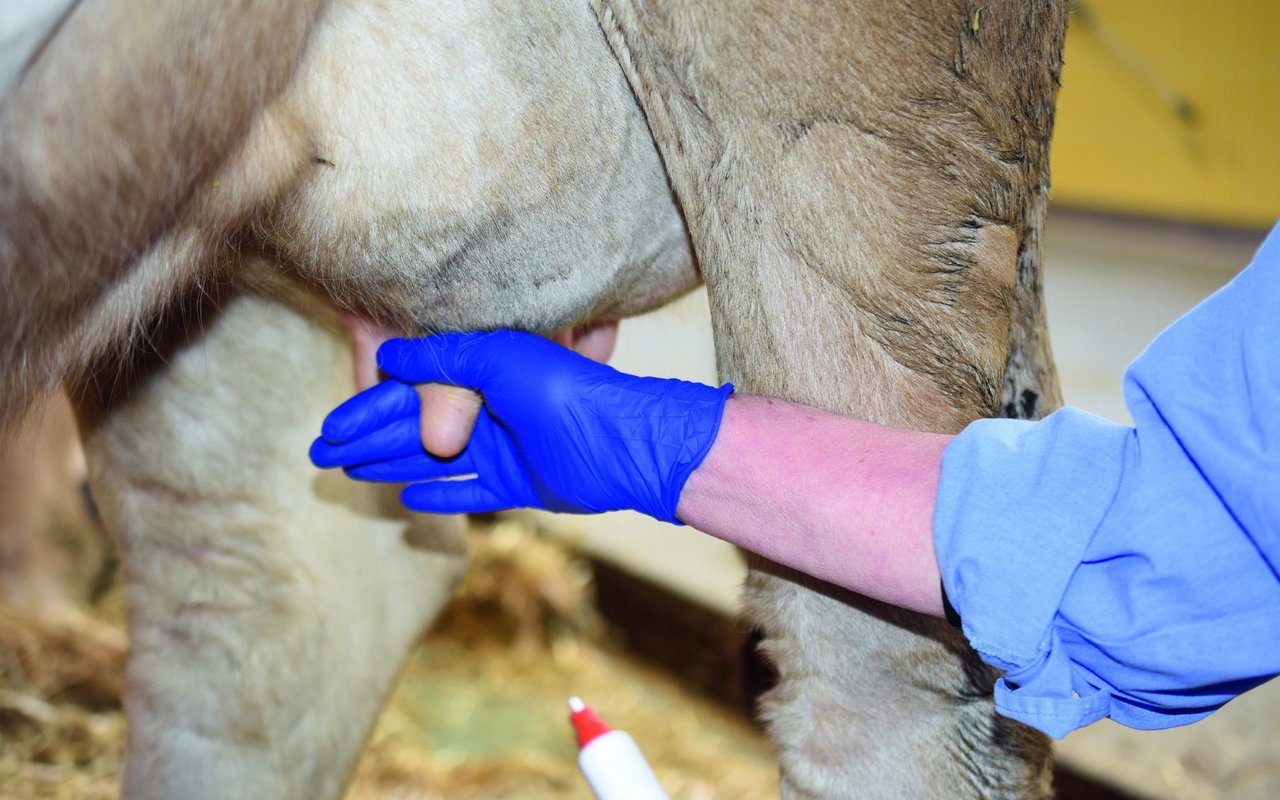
[[616, 769], [611, 760]]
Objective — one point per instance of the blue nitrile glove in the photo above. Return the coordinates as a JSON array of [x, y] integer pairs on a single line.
[[557, 430]]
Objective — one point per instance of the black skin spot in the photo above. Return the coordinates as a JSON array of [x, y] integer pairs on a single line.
[[1027, 402], [1024, 407]]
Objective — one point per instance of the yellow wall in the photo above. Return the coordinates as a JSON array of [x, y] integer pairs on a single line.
[[1121, 143]]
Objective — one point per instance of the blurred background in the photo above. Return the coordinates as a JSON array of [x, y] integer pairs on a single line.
[[1166, 177]]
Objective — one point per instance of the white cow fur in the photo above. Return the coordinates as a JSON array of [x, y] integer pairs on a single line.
[[267, 602], [24, 26]]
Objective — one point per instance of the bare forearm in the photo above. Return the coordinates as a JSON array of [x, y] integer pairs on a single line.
[[841, 499]]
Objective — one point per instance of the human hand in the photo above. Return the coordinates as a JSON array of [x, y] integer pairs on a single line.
[[557, 431], [449, 412]]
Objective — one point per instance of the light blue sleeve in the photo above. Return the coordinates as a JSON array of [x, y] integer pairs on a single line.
[[1131, 572]]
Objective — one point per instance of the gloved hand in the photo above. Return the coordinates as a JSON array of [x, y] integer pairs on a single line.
[[557, 431]]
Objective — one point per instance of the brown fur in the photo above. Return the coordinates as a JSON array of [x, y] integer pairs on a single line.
[[99, 154], [864, 184]]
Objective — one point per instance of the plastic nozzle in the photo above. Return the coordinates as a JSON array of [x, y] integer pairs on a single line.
[[586, 723]]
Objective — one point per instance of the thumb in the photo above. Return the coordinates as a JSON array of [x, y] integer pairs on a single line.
[[433, 359]]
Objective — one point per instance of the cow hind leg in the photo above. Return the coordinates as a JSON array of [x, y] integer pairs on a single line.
[[864, 184], [269, 605]]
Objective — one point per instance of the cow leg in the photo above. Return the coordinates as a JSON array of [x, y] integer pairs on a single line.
[[873, 701], [863, 183], [269, 604]]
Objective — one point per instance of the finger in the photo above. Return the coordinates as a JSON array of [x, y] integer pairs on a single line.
[[400, 439], [447, 418], [453, 497], [446, 357], [422, 467], [370, 410]]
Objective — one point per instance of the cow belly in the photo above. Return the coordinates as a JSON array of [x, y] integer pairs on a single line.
[[457, 182]]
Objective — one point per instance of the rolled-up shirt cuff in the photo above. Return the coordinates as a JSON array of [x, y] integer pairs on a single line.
[[1007, 553]]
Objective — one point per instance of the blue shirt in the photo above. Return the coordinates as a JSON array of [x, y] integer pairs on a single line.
[[1131, 572]]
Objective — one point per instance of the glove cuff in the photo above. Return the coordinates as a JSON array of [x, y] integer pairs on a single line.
[[703, 410]]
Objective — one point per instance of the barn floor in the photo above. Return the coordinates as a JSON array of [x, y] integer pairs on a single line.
[[479, 711]]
